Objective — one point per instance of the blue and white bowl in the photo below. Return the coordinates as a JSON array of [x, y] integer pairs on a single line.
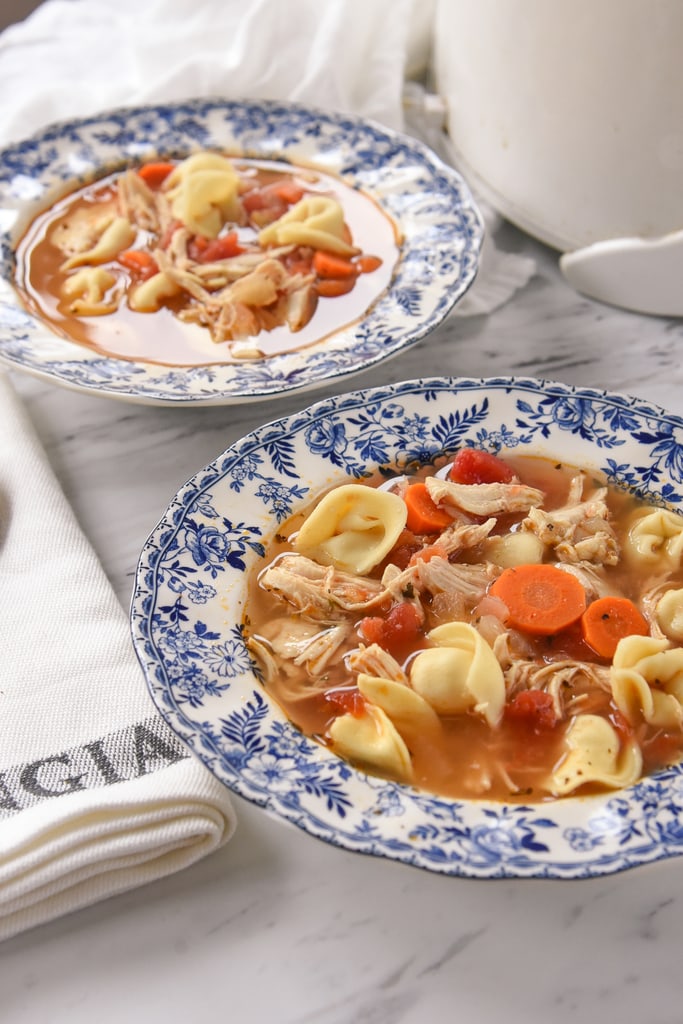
[[191, 588], [441, 227]]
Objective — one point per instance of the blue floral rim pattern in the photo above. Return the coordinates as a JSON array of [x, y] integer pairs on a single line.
[[441, 227], [190, 591]]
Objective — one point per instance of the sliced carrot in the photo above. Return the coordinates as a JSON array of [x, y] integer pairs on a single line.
[[328, 265], [424, 516], [367, 264], [331, 287], [155, 173], [540, 599], [608, 620], [140, 263]]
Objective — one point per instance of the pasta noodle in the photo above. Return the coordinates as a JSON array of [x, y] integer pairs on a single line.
[[669, 613], [352, 528], [203, 191], [86, 291], [594, 755], [151, 293], [317, 221], [406, 708], [116, 236], [372, 740], [647, 681], [461, 673], [656, 537]]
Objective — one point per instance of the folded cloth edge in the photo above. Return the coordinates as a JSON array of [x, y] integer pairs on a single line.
[[72, 854]]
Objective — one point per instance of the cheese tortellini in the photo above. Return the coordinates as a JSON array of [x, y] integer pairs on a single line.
[[594, 756], [87, 290], [352, 528], [117, 235], [460, 673], [406, 708], [656, 539], [371, 740], [149, 295], [647, 681], [317, 221], [669, 614], [204, 191]]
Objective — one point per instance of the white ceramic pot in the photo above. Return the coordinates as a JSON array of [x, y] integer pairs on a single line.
[[567, 115]]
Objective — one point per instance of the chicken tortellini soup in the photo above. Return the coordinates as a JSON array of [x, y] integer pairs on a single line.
[[501, 628], [207, 259]]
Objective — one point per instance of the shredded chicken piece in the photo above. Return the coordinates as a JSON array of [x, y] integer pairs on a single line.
[[235, 267], [301, 305], [304, 643], [462, 536], [176, 251], [502, 650], [319, 591], [188, 281], [484, 499], [591, 577], [579, 531], [557, 678], [437, 576], [83, 228], [656, 589], [373, 660], [137, 202]]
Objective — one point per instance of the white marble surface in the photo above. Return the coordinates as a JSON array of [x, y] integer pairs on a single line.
[[278, 926]]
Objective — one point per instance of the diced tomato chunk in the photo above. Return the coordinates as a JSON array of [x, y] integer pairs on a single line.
[[349, 700], [396, 633], [263, 206], [472, 466], [402, 551], [532, 709], [208, 250], [140, 263]]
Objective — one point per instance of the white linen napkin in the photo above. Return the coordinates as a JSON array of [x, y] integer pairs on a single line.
[[97, 795]]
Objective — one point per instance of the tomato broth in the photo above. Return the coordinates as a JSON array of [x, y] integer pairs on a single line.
[[466, 756]]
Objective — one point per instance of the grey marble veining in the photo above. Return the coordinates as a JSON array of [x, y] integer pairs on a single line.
[[278, 926]]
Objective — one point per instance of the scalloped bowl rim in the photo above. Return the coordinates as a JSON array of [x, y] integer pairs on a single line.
[[431, 202]]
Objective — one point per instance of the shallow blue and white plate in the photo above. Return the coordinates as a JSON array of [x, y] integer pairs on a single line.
[[190, 592], [431, 205]]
